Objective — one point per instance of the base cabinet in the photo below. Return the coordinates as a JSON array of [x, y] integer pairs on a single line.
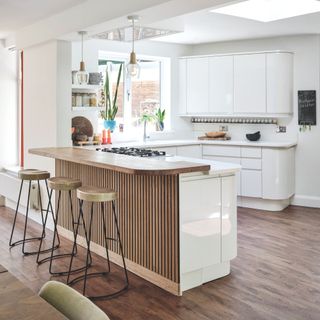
[[267, 173], [208, 237]]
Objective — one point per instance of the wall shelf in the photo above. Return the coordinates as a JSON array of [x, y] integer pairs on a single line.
[[87, 87], [87, 108]]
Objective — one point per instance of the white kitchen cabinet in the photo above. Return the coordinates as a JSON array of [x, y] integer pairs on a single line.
[[228, 160], [190, 151], [168, 150], [278, 173], [221, 85], [197, 86], [228, 219], [280, 83], [224, 151], [250, 84], [182, 86], [200, 225], [208, 227], [251, 183]]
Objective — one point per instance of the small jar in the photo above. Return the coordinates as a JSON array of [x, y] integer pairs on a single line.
[[74, 102], [93, 100], [86, 100], [79, 100]]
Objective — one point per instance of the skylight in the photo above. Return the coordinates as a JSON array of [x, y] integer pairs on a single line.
[[270, 10]]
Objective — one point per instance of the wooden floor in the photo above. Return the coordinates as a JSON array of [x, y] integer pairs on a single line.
[[275, 276]]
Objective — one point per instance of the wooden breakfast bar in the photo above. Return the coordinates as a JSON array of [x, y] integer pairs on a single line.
[[163, 211]]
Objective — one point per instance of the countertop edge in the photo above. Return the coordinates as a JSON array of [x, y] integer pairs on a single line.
[[189, 166]]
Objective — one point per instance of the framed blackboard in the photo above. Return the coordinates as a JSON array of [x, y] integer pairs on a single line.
[[307, 107]]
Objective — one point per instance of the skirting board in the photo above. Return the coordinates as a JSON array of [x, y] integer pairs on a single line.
[[140, 271], [263, 204], [306, 201]]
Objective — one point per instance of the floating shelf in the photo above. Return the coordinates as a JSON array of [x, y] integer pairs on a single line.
[[87, 108], [87, 87]]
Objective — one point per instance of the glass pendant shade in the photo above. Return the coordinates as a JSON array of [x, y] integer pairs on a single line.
[[82, 75], [133, 68]]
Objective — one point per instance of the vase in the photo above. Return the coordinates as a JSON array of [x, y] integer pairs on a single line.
[[160, 126], [110, 124]]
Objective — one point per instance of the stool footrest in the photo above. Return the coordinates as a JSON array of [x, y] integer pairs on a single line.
[[25, 241]]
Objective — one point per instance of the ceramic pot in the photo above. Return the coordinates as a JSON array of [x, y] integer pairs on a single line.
[[110, 124]]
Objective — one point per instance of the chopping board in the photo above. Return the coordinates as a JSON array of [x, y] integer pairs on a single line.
[[214, 139], [82, 126]]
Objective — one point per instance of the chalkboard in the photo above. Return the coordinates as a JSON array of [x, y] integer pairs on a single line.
[[307, 107]]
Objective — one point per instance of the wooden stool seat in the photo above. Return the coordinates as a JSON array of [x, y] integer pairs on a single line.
[[33, 174], [64, 184], [94, 194]]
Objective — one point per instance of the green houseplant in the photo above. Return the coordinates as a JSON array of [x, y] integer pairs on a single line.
[[160, 116], [111, 109]]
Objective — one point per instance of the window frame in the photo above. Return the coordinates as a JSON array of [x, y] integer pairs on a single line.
[[164, 83]]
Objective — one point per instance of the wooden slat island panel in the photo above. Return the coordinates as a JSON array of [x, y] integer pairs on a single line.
[[148, 216], [121, 163]]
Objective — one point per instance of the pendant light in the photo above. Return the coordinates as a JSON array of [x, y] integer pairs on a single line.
[[82, 75], [133, 68]]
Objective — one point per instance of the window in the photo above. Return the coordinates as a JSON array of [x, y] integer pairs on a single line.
[[138, 96]]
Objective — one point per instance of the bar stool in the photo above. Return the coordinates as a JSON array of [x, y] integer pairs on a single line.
[[99, 196], [31, 175], [61, 184]]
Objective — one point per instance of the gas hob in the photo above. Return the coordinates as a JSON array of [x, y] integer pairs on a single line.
[[135, 152]]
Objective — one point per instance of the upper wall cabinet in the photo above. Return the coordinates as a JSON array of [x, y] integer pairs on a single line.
[[279, 82], [221, 85], [250, 83], [198, 85], [239, 85]]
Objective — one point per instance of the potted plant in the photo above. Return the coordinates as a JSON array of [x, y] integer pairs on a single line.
[[111, 110], [159, 116]]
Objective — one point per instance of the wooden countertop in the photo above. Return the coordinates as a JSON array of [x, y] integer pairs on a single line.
[[121, 163]]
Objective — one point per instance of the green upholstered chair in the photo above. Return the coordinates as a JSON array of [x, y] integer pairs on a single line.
[[70, 303]]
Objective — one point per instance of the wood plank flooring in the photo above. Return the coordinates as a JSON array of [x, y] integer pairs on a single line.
[[275, 276]]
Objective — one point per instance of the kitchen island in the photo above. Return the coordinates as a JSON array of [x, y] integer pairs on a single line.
[[178, 216]]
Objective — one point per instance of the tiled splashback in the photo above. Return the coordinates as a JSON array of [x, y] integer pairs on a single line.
[[239, 131]]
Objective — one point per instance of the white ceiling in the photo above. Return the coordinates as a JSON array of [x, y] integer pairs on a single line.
[[16, 14], [204, 27]]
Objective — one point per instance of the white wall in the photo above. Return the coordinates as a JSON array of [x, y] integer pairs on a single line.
[[8, 107], [47, 94], [180, 126], [306, 77]]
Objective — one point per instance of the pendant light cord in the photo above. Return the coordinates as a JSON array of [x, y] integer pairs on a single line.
[[81, 46], [132, 35]]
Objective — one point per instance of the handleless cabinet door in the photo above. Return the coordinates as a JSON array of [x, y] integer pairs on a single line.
[[250, 83], [251, 183], [198, 85], [280, 83], [200, 223], [221, 85], [182, 86], [228, 219], [190, 151]]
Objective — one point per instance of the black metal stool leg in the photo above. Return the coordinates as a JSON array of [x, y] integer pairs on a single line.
[[43, 232], [73, 220], [105, 234], [15, 216], [55, 231], [120, 244], [26, 221], [88, 251], [41, 211], [88, 264]]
